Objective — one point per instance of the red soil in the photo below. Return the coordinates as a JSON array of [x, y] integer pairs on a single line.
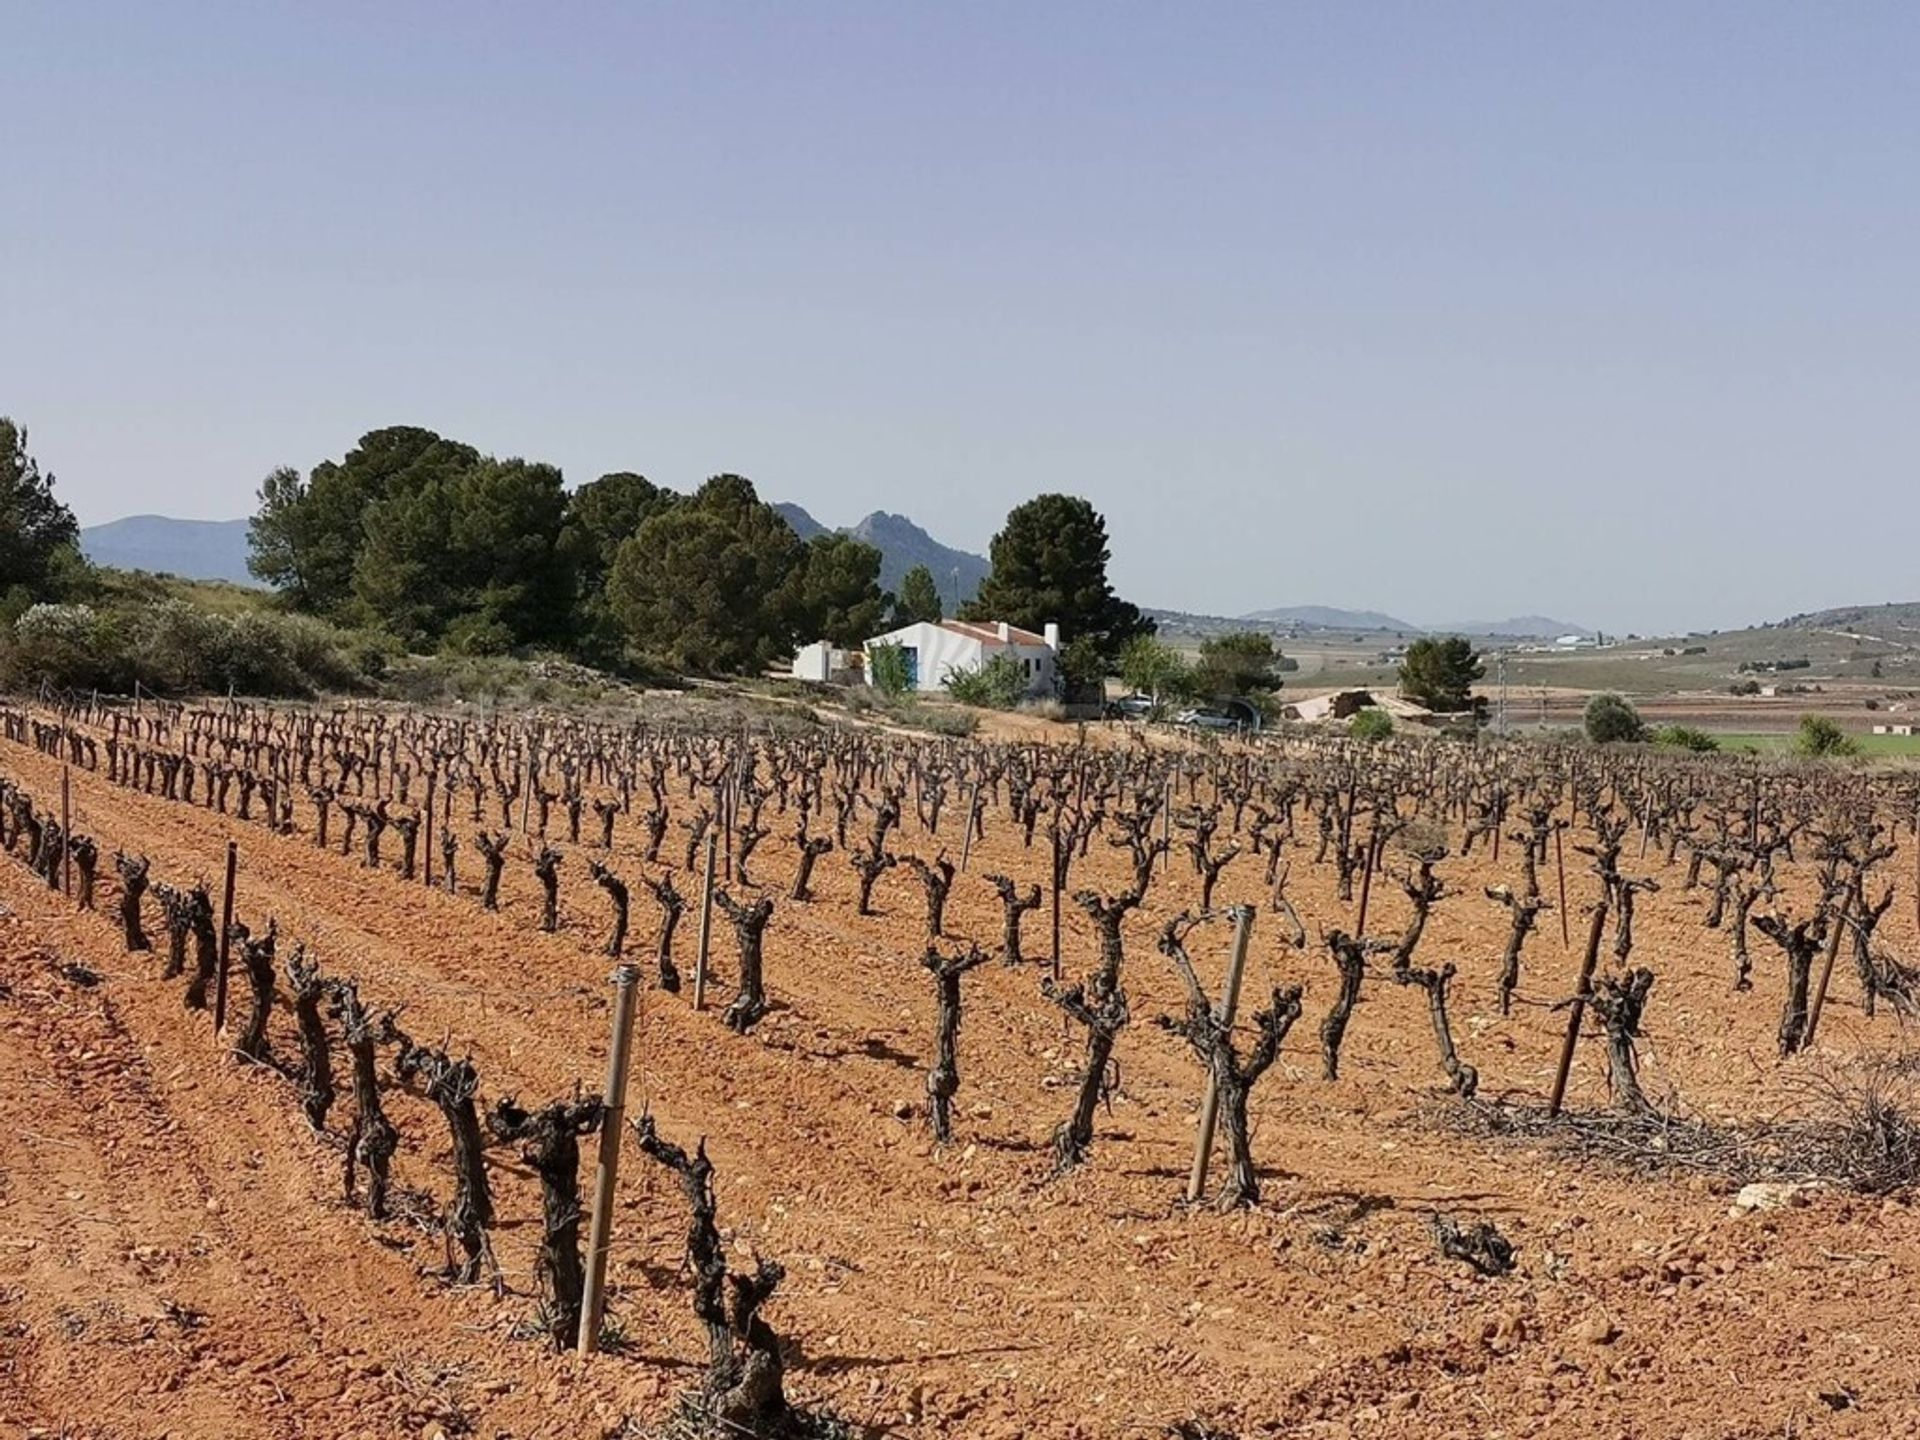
[[176, 1258]]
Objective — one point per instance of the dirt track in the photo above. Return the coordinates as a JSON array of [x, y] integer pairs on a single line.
[[176, 1258]]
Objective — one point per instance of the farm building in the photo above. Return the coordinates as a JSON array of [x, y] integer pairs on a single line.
[[1343, 704], [936, 650], [821, 662], [1897, 728]]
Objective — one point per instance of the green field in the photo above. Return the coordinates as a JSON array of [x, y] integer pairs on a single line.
[[1781, 743]]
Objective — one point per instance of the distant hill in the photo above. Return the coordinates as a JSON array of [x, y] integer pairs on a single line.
[[903, 545], [1898, 622], [193, 549], [1520, 627], [1326, 617], [217, 549]]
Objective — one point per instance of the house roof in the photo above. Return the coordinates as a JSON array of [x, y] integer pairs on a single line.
[[1322, 707], [990, 632]]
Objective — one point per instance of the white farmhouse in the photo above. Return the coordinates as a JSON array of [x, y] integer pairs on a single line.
[[936, 650]]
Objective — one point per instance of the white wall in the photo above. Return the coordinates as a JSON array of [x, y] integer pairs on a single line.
[[941, 653], [937, 652]]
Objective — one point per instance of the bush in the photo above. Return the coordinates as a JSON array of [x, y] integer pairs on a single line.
[[1744, 687], [174, 647], [477, 635], [1045, 708], [1370, 725], [887, 667], [1685, 737], [73, 646], [999, 684], [1610, 718], [1821, 738]]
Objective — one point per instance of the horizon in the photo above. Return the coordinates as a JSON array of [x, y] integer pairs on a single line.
[[1565, 313]]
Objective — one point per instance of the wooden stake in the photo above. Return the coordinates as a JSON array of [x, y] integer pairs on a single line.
[[966, 839], [226, 941], [1366, 883], [1055, 878], [706, 924], [1223, 1015], [1580, 994], [613, 1105], [1826, 969], [1560, 863], [1166, 829], [432, 775], [66, 829]]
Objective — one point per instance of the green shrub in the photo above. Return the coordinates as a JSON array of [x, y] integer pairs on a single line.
[[477, 635], [73, 646], [1611, 718], [1685, 737], [887, 668], [1821, 738], [1000, 684], [175, 647], [1370, 724]]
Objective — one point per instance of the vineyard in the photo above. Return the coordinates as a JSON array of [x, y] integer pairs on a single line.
[[1550, 1090]]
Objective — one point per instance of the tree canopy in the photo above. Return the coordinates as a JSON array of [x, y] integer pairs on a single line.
[[840, 596], [1440, 674], [1610, 718], [1050, 565], [919, 598], [1150, 667], [472, 556], [1239, 664], [39, 538], [307, 536], [712, 584]]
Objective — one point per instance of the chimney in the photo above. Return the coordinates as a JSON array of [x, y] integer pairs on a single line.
[[1052, 635], [1006, 632]]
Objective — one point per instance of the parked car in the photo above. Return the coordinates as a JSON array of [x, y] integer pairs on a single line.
[[1206, 720], [1131, 707]]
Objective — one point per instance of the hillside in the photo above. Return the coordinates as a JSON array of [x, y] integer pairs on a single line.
[[1328, 617], [195, 549], [903, 545], [1518, 627], [217, 549], [1895, 623]]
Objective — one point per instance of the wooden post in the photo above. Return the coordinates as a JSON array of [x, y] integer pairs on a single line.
[[1166, 828], [432, 775], [1826, 969], [226, 941], [1366, 884], [966, 839], [1054, 885], [1560, 863], [706, 924], [613, 1107], [66, 829], [1580, 994], [1210, 1103], [526, 796]]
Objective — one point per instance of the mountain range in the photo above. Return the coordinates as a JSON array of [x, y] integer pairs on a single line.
[[902, 545], [217, 549], [1326, 617], [195, 549]]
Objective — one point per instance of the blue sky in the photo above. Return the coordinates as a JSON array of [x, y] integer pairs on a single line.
[[1450, 310]]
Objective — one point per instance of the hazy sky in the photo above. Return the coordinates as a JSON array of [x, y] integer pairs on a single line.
[[1452, 310]]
